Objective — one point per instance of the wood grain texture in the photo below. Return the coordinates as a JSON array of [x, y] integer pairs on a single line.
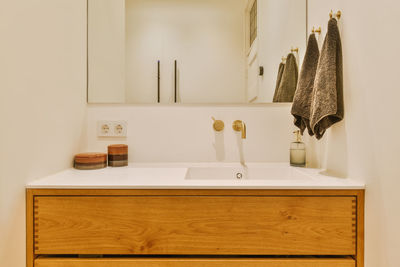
[[118, 149], [195, 262], [360, 228], [86, 158], [29, 229], [196, 225], [90, 161]]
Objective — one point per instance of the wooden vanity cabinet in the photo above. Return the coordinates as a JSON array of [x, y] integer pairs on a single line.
[[194, 262], [160, 228]]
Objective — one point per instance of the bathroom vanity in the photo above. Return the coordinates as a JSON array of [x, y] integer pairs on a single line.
[[127, 217]]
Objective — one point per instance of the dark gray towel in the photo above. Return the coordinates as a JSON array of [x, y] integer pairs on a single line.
[[327, 106], [278, 80], [303, 95], [288, 83]]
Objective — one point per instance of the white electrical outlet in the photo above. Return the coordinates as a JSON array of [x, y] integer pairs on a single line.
[[120, 128], [104, 128], [111, 128]]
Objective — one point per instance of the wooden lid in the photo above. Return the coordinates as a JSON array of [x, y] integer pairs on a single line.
[[90, 158], [119, 149]]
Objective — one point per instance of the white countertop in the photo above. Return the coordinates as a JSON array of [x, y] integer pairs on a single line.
[[175, 176]]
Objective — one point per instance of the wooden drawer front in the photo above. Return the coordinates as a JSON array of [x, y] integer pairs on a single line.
[[195, 263], [195, 225]]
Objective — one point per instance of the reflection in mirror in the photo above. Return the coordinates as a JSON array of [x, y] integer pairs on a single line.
[[194, 51]]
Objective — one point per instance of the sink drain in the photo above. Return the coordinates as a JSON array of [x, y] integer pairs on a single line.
[[239, 175]]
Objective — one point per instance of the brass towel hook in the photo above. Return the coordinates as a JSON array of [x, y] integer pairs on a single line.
[[318, 30], [295, 50], [337, 15], [283, 59]]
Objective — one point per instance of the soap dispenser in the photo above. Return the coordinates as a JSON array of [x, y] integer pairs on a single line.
[[297, 152]]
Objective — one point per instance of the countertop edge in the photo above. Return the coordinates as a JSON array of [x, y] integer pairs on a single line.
[[73, 179], [166, 187]]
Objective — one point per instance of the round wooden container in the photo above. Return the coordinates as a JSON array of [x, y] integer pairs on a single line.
[[90, 161], [118, 155]]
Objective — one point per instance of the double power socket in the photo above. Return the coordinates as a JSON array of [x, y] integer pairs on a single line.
[[112, 128]]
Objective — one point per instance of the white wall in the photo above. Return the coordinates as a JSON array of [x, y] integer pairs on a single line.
[[106, 24], [366, 144], [206, 37], [42, 103], [185, 133], [281, 26]]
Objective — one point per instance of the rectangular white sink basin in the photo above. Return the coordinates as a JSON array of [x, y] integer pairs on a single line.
[[249, 172]]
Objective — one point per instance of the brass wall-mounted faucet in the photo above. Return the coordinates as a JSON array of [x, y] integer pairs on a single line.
[[240, 126]]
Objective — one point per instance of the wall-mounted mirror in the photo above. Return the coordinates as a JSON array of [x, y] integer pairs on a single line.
[[194, 51]]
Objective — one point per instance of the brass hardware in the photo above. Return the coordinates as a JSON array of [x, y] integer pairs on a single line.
[[337, 15], [239, 126], [283, 59], [318, 30], [218, 125], [295, 50], [298, 135]]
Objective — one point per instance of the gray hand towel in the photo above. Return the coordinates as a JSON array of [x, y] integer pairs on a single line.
[[278, 80], [327, 106], [288, 83], [303, 95]]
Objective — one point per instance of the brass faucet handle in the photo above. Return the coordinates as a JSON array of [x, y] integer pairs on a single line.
[[218, 125], [240, 126]]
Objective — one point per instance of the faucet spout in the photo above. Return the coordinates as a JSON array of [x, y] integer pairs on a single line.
[[240, 126], [244, 133]]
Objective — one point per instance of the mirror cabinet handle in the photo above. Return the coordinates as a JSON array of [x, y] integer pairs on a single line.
[[175, 81], [158, 81]]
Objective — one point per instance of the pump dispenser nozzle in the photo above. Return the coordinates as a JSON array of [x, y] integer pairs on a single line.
[[297, 136]]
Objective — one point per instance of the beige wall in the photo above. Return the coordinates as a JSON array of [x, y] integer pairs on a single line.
[[42, 107], [281, 26], [42, 103], [185, 134], [106, 38], [366, 145], [206, 37]]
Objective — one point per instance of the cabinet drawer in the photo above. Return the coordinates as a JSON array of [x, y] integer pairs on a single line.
[[194, 262], [195, 225]]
